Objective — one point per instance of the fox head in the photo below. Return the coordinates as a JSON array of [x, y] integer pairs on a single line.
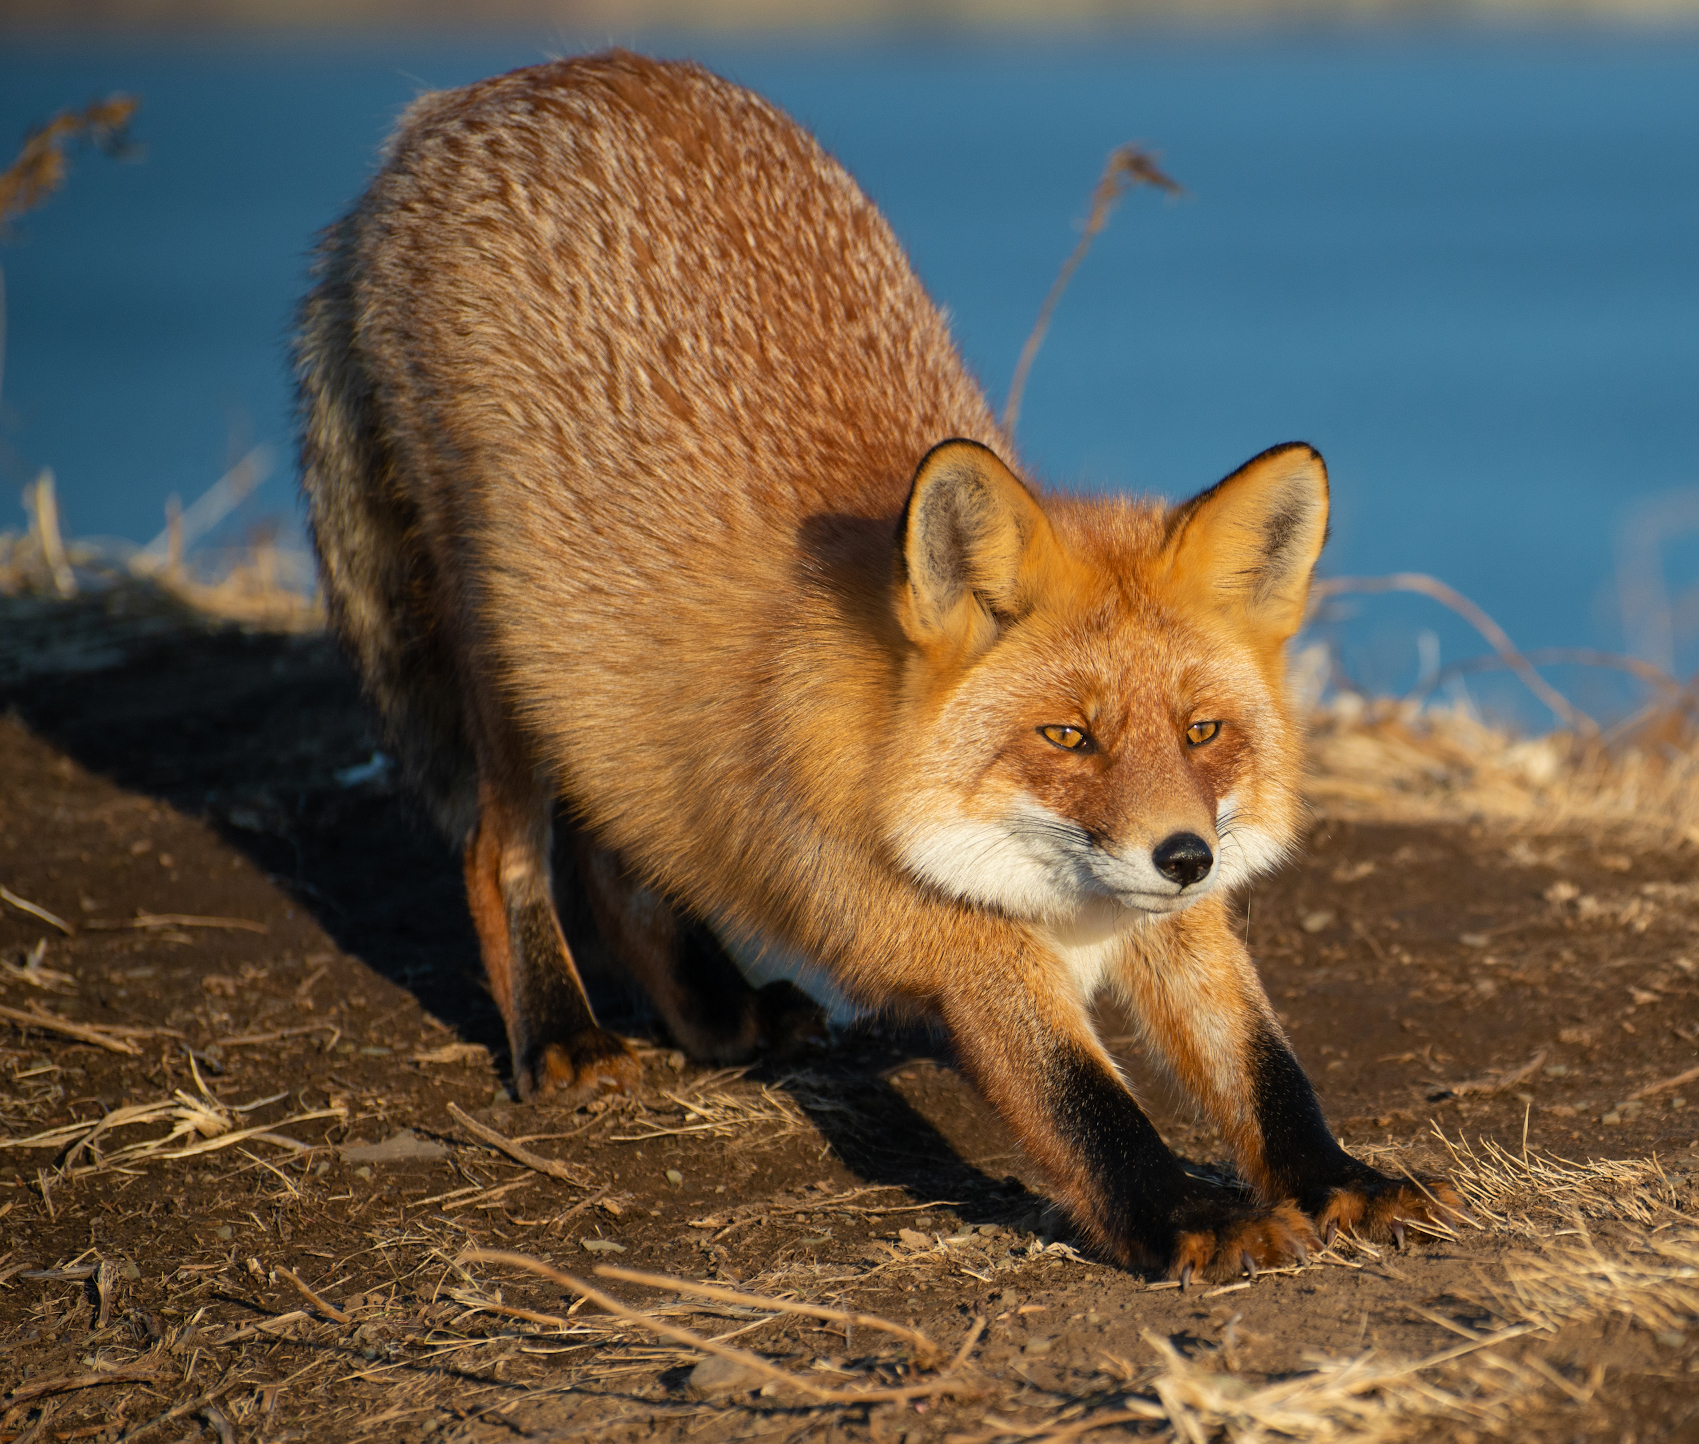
[[1094, 702]]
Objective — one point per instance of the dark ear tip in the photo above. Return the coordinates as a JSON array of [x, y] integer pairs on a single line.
[[958, 446], [1291, 449]]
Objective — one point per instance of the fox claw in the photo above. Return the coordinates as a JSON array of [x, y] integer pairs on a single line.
[[1374, 1206], [1237, 1243], [1328, 1233]]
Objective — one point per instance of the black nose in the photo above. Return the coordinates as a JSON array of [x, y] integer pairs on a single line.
[[1185, 857]]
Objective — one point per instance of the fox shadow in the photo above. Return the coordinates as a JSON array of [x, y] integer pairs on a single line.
[[264, 738]]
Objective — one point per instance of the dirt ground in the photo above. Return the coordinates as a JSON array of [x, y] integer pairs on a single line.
[[276, 960]]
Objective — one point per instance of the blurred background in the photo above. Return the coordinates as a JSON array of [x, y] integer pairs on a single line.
[[1454, 246]]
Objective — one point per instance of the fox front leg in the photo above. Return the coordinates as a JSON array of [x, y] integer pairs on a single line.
[[1030, 1050], [1201, 1009]]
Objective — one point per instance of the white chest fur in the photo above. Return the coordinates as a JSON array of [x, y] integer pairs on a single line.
[[1092, 944]]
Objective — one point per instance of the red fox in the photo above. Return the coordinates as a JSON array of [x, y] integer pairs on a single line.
[[646, 482]]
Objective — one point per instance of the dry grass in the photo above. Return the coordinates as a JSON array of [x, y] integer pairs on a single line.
[[711, 1108], [1483, 1382], [41, 164], [1408, 757], [260, 585], [200, 1123], [926, 1354], [1399, 759], [1532, 1195]]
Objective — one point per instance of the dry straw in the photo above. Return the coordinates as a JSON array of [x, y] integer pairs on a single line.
[[199, 1124], [1408, 757], [1485, 1382], [948, 1381], [41, 165]]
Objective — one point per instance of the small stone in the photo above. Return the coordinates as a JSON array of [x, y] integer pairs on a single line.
[[224, 1232], [1611, 1118], [1039, 1346], [1673, 1339], [913, 1238], [364, 1171], [131, 1272], [602, 1245], [715, 1377], [400, 1147], [675, 1178], [1316, 921]]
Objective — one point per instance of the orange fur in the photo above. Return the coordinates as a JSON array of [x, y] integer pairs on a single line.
[[622, 412]]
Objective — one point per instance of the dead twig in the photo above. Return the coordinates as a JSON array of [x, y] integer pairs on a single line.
[[175, 920], [561, 1220], [324, 1306], [111, 1039], [944, 1384], [1128, 166], [1483, 1086], [1497, 638], [927, 1353], [220, 1423], [516, 1151], [129, 1374], [455, 1053], [190, 1406], [274, 1325], [35, 910], [248, 1040], [1663, 1085]]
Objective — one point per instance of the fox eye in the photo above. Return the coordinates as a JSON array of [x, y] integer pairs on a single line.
[[1069, 739], [1201, 732]]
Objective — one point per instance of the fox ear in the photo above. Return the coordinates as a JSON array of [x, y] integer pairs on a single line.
[[1247, 546], [971, 543]]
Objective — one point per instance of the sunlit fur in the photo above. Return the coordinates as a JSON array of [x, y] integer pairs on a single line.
[[614, 392]]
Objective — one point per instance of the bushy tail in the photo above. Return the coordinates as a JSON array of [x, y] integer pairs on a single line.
[[379, 582]]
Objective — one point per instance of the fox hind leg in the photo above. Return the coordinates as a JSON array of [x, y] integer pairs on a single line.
[[706, 1003], [560, 1053]]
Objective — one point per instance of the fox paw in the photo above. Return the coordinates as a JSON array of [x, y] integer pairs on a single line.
[[791, 1022], [1240, 1240], [1374, 1206], [574, 1069]]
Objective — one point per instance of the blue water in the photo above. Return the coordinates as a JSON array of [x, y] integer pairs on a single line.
[[1466, 266]]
